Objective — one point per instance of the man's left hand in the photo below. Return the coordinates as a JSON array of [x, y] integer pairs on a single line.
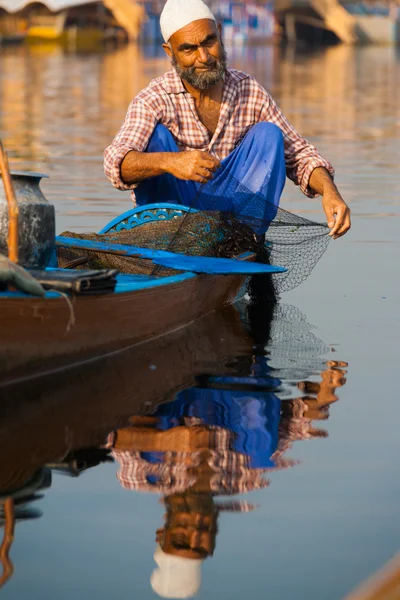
[[336, 210], [337, 213]]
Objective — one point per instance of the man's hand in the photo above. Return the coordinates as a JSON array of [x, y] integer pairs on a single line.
[[336, 210], [337, 213], [193, 165], [324, 393]]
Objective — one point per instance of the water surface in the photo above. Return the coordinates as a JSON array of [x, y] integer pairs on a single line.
[[298, 487]]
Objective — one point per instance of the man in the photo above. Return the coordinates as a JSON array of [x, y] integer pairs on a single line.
[[203, 124]]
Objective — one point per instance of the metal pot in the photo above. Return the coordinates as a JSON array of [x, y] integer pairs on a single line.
[[36, 221]]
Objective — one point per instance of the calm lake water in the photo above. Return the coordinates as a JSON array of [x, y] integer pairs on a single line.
[[264, 445]]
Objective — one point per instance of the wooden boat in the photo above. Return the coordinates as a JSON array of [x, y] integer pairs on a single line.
[[12, 39], [382, 585], [40, 333], [43, 333], [35, 330]]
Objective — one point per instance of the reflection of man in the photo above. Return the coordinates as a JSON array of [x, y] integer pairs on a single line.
[[189, 465], [187, 538], [209, 443], [252, 418], [299, 413], [175, 576], [203, 121]]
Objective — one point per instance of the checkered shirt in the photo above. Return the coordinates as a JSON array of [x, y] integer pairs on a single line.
[[244, 103], [177, 471]]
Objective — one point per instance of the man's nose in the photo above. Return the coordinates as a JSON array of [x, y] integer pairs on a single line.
[[203, 55]]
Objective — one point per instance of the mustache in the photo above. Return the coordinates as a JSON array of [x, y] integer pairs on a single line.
[[215, 64], [209, 68], [211, 64], [213, 72]]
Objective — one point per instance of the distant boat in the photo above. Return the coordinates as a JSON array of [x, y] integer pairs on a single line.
[[71, 21], [13, 38], [47, 27]]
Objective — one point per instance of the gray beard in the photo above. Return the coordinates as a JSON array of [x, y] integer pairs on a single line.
[[202, 81]]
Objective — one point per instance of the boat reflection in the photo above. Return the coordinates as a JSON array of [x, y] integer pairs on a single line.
[[206, 412], [15, 506]]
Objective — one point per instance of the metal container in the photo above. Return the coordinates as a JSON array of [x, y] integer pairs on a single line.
[[36, 221]]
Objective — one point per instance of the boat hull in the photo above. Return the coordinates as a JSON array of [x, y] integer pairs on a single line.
[[38, 334]]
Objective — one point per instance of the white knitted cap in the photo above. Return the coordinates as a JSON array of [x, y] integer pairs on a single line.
[[179, 13], [175, 577]]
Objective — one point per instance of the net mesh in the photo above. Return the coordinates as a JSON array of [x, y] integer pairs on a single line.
[[203, 233], [221, 221]]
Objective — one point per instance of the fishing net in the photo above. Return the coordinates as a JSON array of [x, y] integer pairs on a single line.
[[203, 233], [222, 220]]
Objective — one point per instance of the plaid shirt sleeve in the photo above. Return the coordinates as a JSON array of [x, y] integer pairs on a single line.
[[300, 156], [134, 134]]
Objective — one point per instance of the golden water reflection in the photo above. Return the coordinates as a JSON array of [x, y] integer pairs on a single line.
[[59, 110]]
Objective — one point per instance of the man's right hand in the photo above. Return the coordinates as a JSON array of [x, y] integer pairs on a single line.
[[192, 165]]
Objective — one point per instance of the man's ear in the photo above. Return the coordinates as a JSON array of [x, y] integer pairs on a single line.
[[167, 50], [219, 27]]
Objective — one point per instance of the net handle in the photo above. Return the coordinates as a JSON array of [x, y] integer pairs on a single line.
[[12, 203]]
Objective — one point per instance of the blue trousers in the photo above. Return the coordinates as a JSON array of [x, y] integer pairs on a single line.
[[249, 182], [253, 418]]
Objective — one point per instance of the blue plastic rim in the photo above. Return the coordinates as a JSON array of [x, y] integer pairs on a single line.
[[148, 208]]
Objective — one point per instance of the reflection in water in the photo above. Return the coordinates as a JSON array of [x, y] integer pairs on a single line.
[[197, 414], [214, 442], [58, 111], [15, 506]]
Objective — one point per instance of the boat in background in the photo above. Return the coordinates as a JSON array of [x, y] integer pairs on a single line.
[[12, 39], [13, 29], [71, 23]]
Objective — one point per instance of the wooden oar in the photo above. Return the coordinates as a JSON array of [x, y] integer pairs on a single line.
[[12, 206], [180, 262]]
